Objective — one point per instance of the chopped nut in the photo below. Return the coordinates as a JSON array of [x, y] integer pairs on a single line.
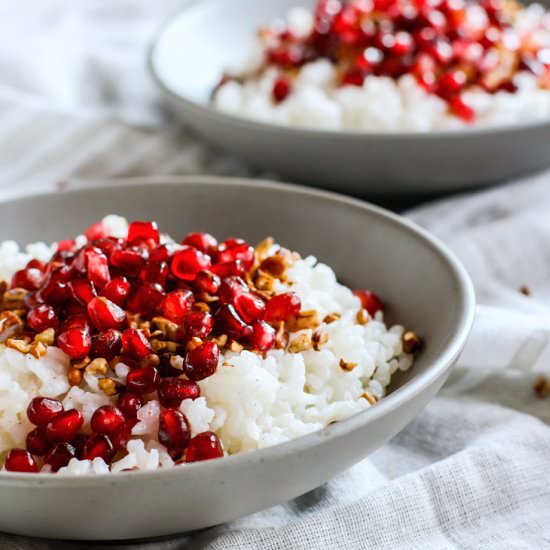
[[201, 306], [176, 362], [80, 363], [331, 317], [167, 328], [74, 376], [14, 298], [38, 349], [221, 340], [281, 337], [98, 366], [263, 248], [362, 317], [372, 399], [46, 337], [207, 298], [3, 287], [19, 345], [235, 346], [542, 387], [264, 281], [305, 319], [193, 343], [348, 366], [108, 386], [161, 346], [151, 360], [411, 342], [134, 320], [302, 342], [525, 290], [276, 265], [319, 338]]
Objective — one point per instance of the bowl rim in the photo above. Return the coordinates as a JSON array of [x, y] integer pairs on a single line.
[[208, 111], [440, 366]]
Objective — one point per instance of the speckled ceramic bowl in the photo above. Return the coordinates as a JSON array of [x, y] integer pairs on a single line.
[[424, 285]]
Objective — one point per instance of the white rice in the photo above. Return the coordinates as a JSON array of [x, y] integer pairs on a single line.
[[251, 401], [381, 104]]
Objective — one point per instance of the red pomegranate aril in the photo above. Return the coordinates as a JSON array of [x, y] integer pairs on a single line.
[[77, 318], [462, 110], [201, 241], [262, 337], [75, 342], [54, 292], [105, 314], [129, 261], [176, 304], [204, 446], [117, 290], [230, 322], [108, 245], [172, 391], [107, 420], [197, 324], [59, 456], [67, 245], [188, 262], [28, 278], [174, 432], [121, 438], [97, 268], [202, 361], [281, 307], [19, 460], [138, 231], [249, 307], [228, 253], [143, 380], [37, 443], [207, 282], [129, 403], [99, 446], [369, 301], [353, 77], [228, 269], [107, 344], [161, 253], [230, 288], [155, 272], [281, 89], [146, 299], [64, 427], [82, 290], [135, 344], [42, 317], [42, 409], [95, 231], [451, 83]]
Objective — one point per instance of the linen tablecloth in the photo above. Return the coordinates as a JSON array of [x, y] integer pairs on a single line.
[[473, 470]]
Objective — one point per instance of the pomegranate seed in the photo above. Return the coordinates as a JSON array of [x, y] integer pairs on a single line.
[[197, 324], [230, 288], [155, 272], [203, 446], [135, 344], [281, 307], [262, 337], [99, 446], [82, 290], [174, 432], [201, 241], [108, 245], [451, 83], [461, 110], [77, 320], [353, 77], [67, 245], [369, 301], [37, 443], [75, 342], [117, 290], [19, 460], [106, 314], [249, 307], [107, 344], [98, 267], [161, 253], [230, 322], [172, 391], [143, 380], [28, 278], [229, 269], [54, 292], [403, 43], [129, 261], [42, 317], [230, 251], [60, 455], [95, 231], [107, 420], [146, 299], [188, 262], [121, 438], [129, 403], [175, 305], [281, 89], [42, 409], [138, 231], [202, 361], [207, 282], [64, 426]]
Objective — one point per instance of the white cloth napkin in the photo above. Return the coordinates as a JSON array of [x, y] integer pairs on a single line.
[[473, 470]]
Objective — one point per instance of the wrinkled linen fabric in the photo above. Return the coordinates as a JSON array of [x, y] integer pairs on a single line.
[[473, 470]]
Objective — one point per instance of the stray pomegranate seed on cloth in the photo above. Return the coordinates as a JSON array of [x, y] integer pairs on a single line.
[[129, 350]]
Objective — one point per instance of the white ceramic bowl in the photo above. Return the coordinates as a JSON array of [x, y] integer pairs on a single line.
[[195, 47], [422, 282]]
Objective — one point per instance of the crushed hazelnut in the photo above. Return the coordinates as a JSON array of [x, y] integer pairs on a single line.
[[38, 349], [347, 366], [331, 317], [302, 342], [98, 366], [362, 317], [74, 376], [108, 386], [10, 325], [46, 337], [542, 387], [162, 346], [167, 328], [411, 342]]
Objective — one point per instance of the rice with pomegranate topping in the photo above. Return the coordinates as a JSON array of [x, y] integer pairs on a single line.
[[327, 371]]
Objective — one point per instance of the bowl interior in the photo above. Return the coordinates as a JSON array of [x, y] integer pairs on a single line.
[[367, 247]]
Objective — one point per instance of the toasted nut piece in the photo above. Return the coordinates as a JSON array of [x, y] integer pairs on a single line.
[[411, 342], [74, 376], [193, 343], [176, 362], [80, 363], [98, 366], [134, 320], [221, 340], [18, 345], [14, 298], [38, 349], [263, 248], [264, 281], [108, 386], [46, 337], [542, 387], [281, 337], [362, 317], [151, 360], [372, 399], [348, 366], [525, 290], [161, 346], [235, 346], [201, 306], [308, 318], [207, 298], [10, 325], [167, 328], [302, 342], [331, 317], [276, 265], [3, 287], [319, 338]]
